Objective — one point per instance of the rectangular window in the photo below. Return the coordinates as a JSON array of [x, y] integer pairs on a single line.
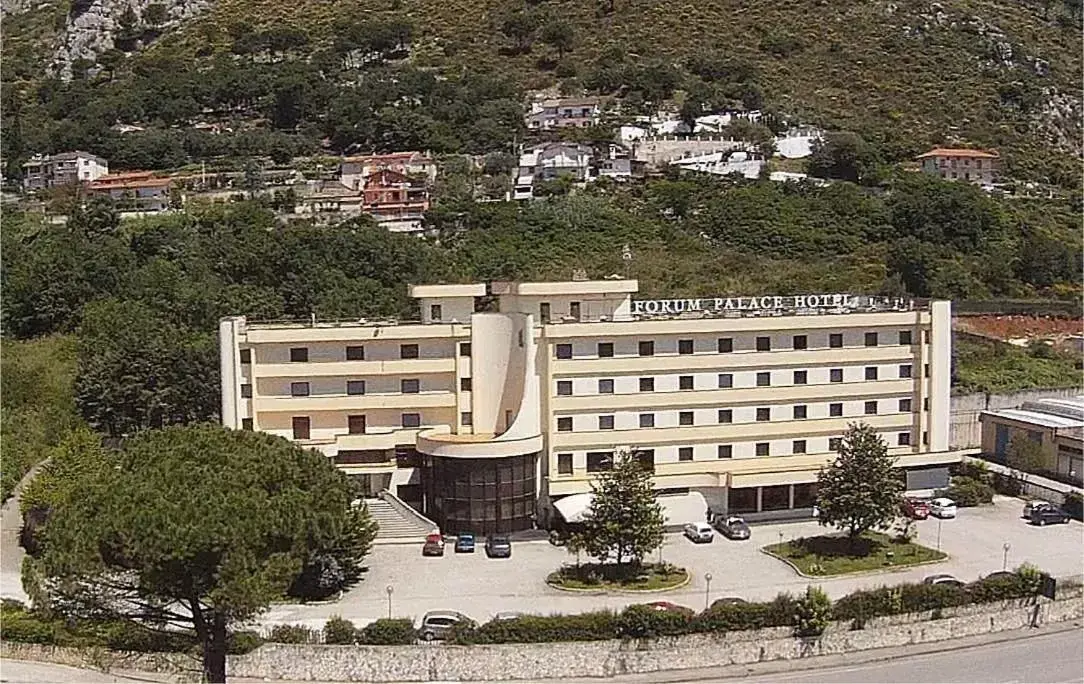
[[647, 420], [905, 337], [800, 411], [905, 406], [597, 461], [408, 351], [871, 408], [355, 352], [685, 453], [645, 458], [465, 384], [762, 448], [544, 312], [685, 382], [299, 354], [726, 380], [564, 424], [726, 345], [685, 417], [685, 346], [871, 339], [926, 404], [246, 423], [798, 447], [726, 415], [903, 439], [300, 425], [835, 410], [246, 356], [564, 388], [246, 391], [647, 384], [355, 425], [564, 464], [801, 342], [606, 386], [647, 348], [871, 372], [564, 351], [605, 350], [464, 349], [905, 370], [835, 375], [412, 420], [354, 387], [725, 451], [764, 344], [925, 336], [409, 386], [835, 340], [801, 377], [466, 418], [764, 379], [925, 438], [834, 443], [764, 414], [605, 422], [926, 370], [574, 310], [299, 389], [436, 312]]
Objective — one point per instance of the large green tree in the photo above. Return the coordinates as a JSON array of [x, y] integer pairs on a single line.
[[197, 527], [624, 521], [860, 490]]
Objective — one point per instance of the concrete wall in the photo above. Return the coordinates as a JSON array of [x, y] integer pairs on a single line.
[[582, 659], [965, 431]]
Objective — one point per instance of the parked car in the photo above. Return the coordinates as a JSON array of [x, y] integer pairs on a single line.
[[943, 508], [498, 546], [915, 509], [1000, 574], [947, 580], [728, 601], [464, 543], [1048, 516], [434, 545], [699, 532], [1034, 505], [667, 607], [438, 624], [508, 615], [733, 527]]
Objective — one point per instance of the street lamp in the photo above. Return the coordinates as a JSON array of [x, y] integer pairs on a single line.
[[939, 534], [707, 589], [1005, 558], [389, 590]]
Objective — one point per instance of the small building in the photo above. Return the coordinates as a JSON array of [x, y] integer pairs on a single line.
[[973, 166], [564, 113], [551, 161], [136, 191], [354, 170], [51, 171], [396, 200], [1057, 425], [617, 164]]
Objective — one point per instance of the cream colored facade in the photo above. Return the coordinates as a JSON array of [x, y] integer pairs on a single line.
[[738, 403]]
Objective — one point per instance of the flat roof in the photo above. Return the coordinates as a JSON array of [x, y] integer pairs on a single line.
[[439, 291], [567, 287], [1036, 418]]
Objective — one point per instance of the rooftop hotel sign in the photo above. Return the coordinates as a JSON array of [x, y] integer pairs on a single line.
[[766, 304]]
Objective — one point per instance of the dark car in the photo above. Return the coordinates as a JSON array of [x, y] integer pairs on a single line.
[[464, 543], [1048, 515], [498, 547], [943, 580], [438, 624], [728, 601], [732, 527], [434, 545], [915, 509]]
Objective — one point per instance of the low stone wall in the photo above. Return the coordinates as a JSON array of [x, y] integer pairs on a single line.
[[432, 662]]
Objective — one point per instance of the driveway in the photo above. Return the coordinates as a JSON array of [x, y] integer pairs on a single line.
[[480, 587]]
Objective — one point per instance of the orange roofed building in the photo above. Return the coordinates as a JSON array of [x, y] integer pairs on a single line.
[[395, 199], [980, 167], [134, 191]]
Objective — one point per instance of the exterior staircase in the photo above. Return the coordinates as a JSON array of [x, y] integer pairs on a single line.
[[397, 526]]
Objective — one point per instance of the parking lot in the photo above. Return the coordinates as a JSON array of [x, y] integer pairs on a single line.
[[481, 587]]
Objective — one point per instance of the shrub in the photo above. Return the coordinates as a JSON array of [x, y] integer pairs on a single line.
[[813, 613], [388, 632], [18, 624], [1074, 505], [293, 634], [642, 622], [593, 626], [129, 636], [966, 492], [733, 617], [339, 631], [1001, 588], [240, 643]]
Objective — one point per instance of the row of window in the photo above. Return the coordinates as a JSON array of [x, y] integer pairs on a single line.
[[725, 345], [356, 387], [726, 380], [355, 425], [355, 352], [726, 416]]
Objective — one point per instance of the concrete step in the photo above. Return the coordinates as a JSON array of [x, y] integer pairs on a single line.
[[393, 525]]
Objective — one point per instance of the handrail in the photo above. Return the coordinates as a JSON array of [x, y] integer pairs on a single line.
[[399, 505]]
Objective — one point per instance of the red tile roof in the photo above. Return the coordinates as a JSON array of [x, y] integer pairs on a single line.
[[959, 152]]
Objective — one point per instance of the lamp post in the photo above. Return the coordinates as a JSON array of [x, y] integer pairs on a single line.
[[389, 590], [939, 534], [780, 540], [707, 589], [1005, 557]]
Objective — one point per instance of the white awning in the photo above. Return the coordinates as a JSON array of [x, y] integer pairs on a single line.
[[677, 509], [573, 507]]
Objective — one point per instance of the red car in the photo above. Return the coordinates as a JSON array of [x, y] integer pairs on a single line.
[[667, 607], [434, 545], [916, 509]]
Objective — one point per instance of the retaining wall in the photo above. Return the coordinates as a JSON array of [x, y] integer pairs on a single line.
[[580, 659]]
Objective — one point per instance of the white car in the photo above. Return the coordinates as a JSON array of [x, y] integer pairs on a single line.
[[943, 508], [699, 532]]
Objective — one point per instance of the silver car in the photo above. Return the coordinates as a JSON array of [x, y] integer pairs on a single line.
[[438, 624], [699, 532], [1034, 505]]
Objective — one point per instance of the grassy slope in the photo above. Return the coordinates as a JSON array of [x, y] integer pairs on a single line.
[[987, 366]]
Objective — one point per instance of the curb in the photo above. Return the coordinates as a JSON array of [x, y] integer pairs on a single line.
[[858, 573], [622, 592]]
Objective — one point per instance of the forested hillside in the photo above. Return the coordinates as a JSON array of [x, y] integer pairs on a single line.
[[451, 76]]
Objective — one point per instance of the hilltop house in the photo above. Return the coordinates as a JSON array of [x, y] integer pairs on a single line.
[[43, 171], [354, 170], [974, 166], [551, 161], [564, 113], [396, 200], [136, 191]]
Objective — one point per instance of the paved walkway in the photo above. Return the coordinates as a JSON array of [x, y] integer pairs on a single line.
[[11, 554], [1032, 479]]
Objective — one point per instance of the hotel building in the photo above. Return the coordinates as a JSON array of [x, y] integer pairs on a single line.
[[493, 420]]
